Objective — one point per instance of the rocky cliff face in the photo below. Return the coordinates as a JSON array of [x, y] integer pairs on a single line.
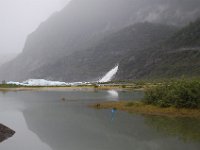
[[84, 24]]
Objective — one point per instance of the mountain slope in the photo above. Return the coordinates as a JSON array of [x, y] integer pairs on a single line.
[[178, 56], [83, 24], [93, 63], [7, 57], [189, 36]]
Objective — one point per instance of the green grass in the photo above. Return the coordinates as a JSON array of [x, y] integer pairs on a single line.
[[146, 109], [170, 97], [9, 86], [180, 94]]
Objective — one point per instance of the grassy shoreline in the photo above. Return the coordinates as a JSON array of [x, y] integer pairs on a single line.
[[145, 109], [141, 85], [79, 87], [167, 98]]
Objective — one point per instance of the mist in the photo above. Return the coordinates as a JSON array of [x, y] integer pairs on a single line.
[[63, 43], [21, 17], [69, 68]]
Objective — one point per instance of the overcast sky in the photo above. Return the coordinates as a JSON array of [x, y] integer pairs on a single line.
[[21, 17]]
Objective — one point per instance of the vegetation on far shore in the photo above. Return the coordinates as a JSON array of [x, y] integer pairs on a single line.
[[142, 108], [9, 86], [179, 94], [166, 98], [179, 98], [95, 86], [122, 84]]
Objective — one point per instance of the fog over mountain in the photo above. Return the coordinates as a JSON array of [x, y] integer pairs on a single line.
[[83, 25], [21, 17], [5, 57]]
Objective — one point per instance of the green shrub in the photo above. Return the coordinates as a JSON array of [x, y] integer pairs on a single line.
[[9, 86], [180, 94], [123, 86], [129, 104]]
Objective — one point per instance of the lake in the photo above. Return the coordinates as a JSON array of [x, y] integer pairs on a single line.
[[62, 120]]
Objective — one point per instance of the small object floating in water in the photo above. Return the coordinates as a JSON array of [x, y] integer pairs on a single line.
[[5, 133], [63, 99], [98, 105], [114, 110], [113, 113]]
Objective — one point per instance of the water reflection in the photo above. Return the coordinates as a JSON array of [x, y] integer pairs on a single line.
[[186, 129], [114, 110], [24, 139], [76, 128], [113, 95], [43, 122]]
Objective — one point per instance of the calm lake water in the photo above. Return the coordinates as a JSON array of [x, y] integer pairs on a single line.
[[43, 121]]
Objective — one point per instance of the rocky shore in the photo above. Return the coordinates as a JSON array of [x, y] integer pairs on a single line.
[[5, 133]]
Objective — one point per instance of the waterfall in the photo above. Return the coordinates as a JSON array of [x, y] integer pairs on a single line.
[[109, 76], [42, 82]]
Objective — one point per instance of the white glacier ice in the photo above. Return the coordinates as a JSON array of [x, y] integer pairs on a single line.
[[42, 82], [109, 76]]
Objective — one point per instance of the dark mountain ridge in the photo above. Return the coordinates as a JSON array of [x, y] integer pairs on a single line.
[[94, 62], [177, 56], [84, 24]]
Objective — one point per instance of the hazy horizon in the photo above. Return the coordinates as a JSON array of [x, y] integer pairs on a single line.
[[20, 18]]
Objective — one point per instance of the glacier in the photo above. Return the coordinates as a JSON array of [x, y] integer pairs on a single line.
[[42, 82]]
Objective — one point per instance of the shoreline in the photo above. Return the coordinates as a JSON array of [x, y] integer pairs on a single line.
[[66, 88], [144, 109]]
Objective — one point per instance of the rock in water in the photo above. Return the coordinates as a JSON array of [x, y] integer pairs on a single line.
[[5, 133]]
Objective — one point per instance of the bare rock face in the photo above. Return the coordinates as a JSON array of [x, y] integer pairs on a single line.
[[5, 133]]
